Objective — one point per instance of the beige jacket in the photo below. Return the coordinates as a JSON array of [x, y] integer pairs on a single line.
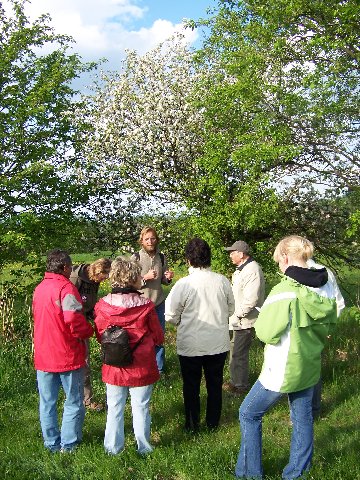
[[200, 305], [248, 287]]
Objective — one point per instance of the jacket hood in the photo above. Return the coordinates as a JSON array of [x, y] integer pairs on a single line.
[[81, 272], [55, 276], [306, 276], [313, 301], [115, 305]]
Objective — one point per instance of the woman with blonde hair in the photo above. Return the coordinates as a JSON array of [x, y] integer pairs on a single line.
[[293, 323], [125, 307]]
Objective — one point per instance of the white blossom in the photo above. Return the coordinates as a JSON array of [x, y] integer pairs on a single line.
[[147, 128]]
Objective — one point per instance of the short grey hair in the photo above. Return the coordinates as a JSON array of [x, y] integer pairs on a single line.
[[124, 272]]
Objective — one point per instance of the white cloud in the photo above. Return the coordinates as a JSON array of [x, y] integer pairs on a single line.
[[146, 38], [160, 29], [91, 11], [103, 28]]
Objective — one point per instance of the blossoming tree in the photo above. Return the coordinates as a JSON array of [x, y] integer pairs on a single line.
[[147, 129]]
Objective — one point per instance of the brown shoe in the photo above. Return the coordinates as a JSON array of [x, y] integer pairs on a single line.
[[97, 407], [237, 391], [229, 387], [240, 391]]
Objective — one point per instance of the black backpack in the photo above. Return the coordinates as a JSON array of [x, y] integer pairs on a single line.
[[115, 347]]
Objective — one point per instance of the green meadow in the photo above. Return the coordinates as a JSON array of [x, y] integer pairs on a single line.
[[178, 455]]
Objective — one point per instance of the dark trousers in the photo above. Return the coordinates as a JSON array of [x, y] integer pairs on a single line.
[[88, 391], [191, 371], [239, 360]]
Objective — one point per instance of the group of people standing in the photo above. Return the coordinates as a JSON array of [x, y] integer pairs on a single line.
[[66, 314], [293, 323]]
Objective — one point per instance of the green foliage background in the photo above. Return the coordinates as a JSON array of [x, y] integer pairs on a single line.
[[270, 131]]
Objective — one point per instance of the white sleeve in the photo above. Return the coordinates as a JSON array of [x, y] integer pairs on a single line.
[[340, 302], [174, 304]]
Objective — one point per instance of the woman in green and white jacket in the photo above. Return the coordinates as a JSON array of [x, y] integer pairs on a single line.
[[293, 323]]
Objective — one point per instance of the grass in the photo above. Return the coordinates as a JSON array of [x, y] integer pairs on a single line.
[[181, 456], [178, 455]]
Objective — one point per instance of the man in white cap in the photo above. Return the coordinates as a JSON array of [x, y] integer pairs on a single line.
[[248, 286]]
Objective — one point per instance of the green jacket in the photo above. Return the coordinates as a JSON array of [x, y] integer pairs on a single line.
[[294, 322]]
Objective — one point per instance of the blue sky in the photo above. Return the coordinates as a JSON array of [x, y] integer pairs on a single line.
[[106, 28], [174, 11]]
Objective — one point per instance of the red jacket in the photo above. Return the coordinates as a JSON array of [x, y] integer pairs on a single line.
[[138, 316], [59, 325]]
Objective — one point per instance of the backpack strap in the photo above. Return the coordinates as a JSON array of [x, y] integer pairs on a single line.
[[162, 258], [75, 277], [138, 343]]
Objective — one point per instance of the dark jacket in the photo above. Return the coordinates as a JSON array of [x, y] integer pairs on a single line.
[[87, 288]]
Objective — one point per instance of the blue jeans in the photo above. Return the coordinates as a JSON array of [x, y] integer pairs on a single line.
[[140, 405], [160, 349], [49, 384], [255, 405]]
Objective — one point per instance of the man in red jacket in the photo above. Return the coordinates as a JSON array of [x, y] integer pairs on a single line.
[[59, 352]]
